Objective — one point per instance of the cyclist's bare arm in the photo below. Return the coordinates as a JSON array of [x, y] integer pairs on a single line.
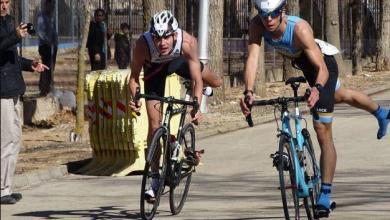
[[255, 37], [190, 52], [304, 39], [140, 52]]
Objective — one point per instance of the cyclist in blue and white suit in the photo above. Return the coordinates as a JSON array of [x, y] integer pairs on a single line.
[[293, 37], [163, 50]]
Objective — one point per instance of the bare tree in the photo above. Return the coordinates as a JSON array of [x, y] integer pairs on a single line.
[[81, 76], [357, 27], [180, 12], [383, 46], [332, 28], [260, 86], [288, 70], [215, 43], [150, 7]]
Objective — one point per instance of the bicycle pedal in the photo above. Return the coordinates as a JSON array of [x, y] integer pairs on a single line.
[[322, 212], [333, 206]]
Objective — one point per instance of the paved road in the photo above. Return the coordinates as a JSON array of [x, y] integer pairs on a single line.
[[236, 180]]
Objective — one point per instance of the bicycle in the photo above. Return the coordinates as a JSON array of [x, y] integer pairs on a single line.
[[299, 173], [176, 156]]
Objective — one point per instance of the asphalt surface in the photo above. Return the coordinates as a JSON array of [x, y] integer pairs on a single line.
[[236, 180]]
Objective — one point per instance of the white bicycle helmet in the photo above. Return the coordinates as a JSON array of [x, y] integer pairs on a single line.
[[268, 7], [163, 23]]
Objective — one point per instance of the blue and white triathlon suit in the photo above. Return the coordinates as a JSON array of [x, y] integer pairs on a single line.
[[284, 45]]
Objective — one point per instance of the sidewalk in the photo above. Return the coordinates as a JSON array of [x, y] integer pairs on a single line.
[[214, 123]]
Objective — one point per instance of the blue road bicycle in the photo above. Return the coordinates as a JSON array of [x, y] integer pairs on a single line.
[[299, 173]]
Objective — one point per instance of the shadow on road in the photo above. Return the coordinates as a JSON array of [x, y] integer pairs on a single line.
[[106, 212]]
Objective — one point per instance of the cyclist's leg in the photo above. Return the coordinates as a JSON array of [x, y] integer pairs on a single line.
[[360, 100], [327, 161], [154, 118], [154, 86], [323, 128], [180, 66], [210, 78]]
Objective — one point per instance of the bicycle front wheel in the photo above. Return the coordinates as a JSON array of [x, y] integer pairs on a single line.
[[312, 176], [182, 170], [287, 180], [154, 174]]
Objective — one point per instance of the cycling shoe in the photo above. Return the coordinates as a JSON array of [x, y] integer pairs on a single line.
[[322, 211], [193, 158]]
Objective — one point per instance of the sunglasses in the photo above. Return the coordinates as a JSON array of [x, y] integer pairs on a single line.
[[273, 14]]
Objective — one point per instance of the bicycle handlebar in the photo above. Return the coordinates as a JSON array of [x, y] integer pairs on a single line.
[[170, 100], [281, 101]]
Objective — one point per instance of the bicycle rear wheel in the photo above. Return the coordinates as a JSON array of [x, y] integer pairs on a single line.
[[182, 171], [155, 167], [288, 186], [312, 175]]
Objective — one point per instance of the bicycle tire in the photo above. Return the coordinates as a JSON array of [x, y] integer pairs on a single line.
[[312, 176], [288, 186], [182, 171], [159, 141]]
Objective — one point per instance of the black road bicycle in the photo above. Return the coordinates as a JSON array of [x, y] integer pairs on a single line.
[[171, 159]]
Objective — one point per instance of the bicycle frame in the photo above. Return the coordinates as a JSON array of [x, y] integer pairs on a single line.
[[296, 144], [170, 112]]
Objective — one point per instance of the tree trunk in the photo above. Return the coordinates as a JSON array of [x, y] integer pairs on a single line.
[[383, 57], [215, 44], [305, 10], [150, 7], [180, 13], [356, 36], [332, 29], [81, 75], [260, 86], [288, 70]]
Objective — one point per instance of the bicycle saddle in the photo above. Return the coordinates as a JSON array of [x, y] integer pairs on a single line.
[[299, 79]]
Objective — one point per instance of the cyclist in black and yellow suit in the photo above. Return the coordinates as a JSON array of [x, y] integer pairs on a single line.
[[293, 37]]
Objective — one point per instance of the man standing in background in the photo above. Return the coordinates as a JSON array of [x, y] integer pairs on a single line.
[[11, 88], [48, 42], [96, 42], [122, 46]]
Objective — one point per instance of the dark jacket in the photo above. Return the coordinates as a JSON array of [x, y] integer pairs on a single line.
[[11, 64], [122, 50], [96, 38]]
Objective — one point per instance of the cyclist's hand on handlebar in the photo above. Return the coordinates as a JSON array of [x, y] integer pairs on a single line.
[[135, 105], [196, 116], [313, 98], [246, 102]]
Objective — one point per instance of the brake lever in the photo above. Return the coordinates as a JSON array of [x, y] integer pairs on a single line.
[[313, 111], [136, 98]]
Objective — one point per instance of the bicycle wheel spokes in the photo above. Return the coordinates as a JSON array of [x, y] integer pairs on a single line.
[[154, 175], [312, 178], [182, 170], [288, 186]]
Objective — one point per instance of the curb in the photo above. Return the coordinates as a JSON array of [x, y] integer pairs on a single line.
[[37, 177]]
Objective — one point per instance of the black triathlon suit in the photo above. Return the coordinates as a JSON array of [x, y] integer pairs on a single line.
[[157, 70]]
